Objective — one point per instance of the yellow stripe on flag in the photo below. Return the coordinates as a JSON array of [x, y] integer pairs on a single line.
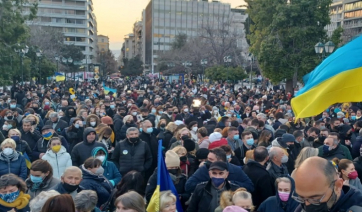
[[154, 204]]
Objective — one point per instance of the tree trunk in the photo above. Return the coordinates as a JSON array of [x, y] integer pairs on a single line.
[[289, 86]]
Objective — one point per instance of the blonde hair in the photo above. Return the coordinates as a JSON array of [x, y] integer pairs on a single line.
[[33, 116], [228, 198], [8, 141], [306, 152], [171, 127], [180, 150], [15, 130], [249, 155], [166, 197], [178, 134], [282, 179]]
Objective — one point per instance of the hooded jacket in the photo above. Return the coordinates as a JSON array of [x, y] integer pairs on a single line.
[[59, 161], [274, 204], [83, 150], [42, 146], [110, 170], [16, 165]]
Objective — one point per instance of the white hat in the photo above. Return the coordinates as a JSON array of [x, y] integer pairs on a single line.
[[216, 136], [178, 122]]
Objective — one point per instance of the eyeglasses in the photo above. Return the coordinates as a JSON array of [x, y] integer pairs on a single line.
[[311, 201]]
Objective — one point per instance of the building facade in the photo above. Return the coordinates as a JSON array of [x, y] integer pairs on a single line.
[[103, 43], [165, 19], [76, 19]]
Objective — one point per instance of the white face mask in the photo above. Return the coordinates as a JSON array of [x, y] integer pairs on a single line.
[[194, 129], [99, 171], [8, 151], [93, 123], [101, 158], [134, 113]]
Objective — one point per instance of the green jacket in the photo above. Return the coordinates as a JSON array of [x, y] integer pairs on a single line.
[[346, 151]]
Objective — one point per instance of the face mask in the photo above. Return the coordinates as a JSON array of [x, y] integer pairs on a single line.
[[149, 130], [291, 147], [169, 113], [10, 197], [153, 111], [99, 171], [101, 158], [284, 159], [228, 115], [162, 125], [173, 171], [12, 106], [185, 137], [10, 117], [160, 112], [228, 157], [133, 140], [183, 159], [236, 137], [186, 110], [215, 111], [284, 196], [194, 129], [134, 113], [16, 138], [250, 142], [322, 207], [59, 117], [93, 123], [36, 179], [217, 181], [326, 149], [112, 106], [48, 135], [70, 188], [353, 175], [46, 103], [76, 126], [56, 148], [8, 151], [5, 127]]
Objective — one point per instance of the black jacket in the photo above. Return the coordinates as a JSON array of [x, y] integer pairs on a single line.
[[293, 154], [358, 165], [42, 146], [132, 156], [165, 136], [59, 127], [30, 137], [275, 171], [123, 133], [263, 184], [117, 126], [73, 136], [210, 126], [201, 198], [83, 150], [335, 153]]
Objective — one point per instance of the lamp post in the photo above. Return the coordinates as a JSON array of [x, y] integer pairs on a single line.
[[227, 61], [67, 62], [57, 59], [324, 49], [203, 64], [187, 65], [22, 52], [39, 55], [251, 59]]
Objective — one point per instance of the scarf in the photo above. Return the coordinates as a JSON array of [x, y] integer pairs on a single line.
[[21, 202], [12, 157]]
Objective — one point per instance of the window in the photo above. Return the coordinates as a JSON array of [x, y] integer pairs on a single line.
[[79, 21], [80, 12], [45, 19], [69, 38], [70, 21], [102, 40], [80, 39]]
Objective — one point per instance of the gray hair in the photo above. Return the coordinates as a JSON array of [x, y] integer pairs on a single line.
[[27, 121], [261, 115], [131, 129], [53, 115], [86, 200], [38, 202], [274, 152], [305, 153]]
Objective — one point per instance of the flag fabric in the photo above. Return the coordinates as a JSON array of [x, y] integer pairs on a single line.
[[27, 160], [164, 183], [59, 77], [336, 80], [107, 90]]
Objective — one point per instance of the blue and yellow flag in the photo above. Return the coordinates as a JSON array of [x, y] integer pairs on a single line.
[[164, 183], [336, 80], [27, 160], [107, 90], [59, 77]]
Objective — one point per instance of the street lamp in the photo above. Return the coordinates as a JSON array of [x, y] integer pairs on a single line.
[[22, 53], [203, 64], [227, 61], [57, 59], [251, 59], [67, 62], [39, 55], [324, 49], [187, 65]]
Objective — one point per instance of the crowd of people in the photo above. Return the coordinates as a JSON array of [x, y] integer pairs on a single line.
[[67, 148]]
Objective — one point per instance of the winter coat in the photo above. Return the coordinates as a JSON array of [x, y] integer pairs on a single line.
[[83, 150], [117, 126], [30, 137], [59, 161], [99, 184], [236, 176], [48, 184], [132, 156], [356, 147], [110, 169], [59, 127], [42, 146], [276, 171], [210, 126], [152, 142], [340, 152], [263, 182], [124, 130], [202, 197], [16, 165], [74, 136], [357, 162], [274, 204], [23, 147]]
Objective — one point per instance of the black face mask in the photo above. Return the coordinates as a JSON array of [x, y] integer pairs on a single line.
[[322, 138], [291, 147], [310, 138], [185, 137], [169, 113], [183, 159], [70, 188], [10, 117], [322, 207], [163, 125], [123, 114], [134, 140], [173, 171]]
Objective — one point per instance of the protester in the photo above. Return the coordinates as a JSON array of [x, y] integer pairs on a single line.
[[11, 161], [12, 194], [58, 203], [70, 181], [131, 201], [348, 173], [38, 202], [86, 201]]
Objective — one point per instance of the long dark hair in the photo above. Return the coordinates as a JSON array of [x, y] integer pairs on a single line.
[[59, 203], [133, 180]]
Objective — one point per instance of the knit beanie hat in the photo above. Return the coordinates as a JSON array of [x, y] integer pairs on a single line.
[[189, 145], [202, 153], [107, 120], [215, 137], [172, 159]]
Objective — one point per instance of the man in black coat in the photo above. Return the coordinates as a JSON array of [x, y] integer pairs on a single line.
[[149, 137], [256, 171], [29, 134], [57, 124], [211, 125], [118, 122]]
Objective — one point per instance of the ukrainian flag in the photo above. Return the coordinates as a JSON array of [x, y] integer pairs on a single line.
[[59, 77], [107, 90], [336, 80], [164, 183], [27, 160]]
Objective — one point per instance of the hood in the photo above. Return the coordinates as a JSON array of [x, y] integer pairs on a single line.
[[290, 200], [67, 111], [96, 149], [275, 143], [52, 154], [87, 131]]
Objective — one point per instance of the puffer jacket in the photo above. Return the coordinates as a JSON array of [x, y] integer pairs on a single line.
[[16, 166], [132, 156], [23, 147], [59, 161], [110, 170], [73, 137], [97, 183]]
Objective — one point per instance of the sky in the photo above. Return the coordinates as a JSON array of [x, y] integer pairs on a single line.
[[115, 18]]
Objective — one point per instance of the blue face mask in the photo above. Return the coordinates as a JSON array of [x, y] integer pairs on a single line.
[[46, 103], [228, 157], [326, 149], [16, 138], [153, 111], [289, 111], [36, 179], [250, 142], [12, 106], [338, 117], [353, 118], [149, 130], [76, 126], [141, 130], [217, 181], [10, 197], [112, 106], [236, 137]]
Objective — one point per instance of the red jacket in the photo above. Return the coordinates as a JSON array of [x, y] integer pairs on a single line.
[[215, 144]]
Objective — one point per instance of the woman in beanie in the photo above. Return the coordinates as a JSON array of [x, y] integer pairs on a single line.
[[172, 161]]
